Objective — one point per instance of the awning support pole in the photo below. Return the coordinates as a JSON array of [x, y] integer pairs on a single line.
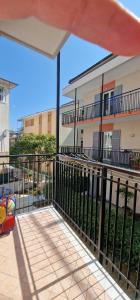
[[58, 104], [75, 100]]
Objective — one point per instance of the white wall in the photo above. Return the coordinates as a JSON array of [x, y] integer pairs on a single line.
[[67, 133], [4, 125]]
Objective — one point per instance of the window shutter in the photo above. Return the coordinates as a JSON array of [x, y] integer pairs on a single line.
[[96, 145], [118, 90], [117, 100], [97, 100], [116, 136]]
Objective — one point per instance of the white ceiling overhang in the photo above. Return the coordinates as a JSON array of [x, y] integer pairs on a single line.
[[93, 79], [35, 34]]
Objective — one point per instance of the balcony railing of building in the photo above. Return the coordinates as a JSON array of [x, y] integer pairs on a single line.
[[99, 201], [128, 158], [124, 103]]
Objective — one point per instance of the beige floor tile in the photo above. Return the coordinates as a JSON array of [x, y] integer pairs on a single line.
[[40, 262], [73, 292], [2, 297]]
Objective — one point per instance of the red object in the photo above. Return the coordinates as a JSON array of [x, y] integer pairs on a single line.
[[104, 22], [1, 229], [8, 224]]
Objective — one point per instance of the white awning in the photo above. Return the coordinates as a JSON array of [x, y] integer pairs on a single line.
[[35, 34]]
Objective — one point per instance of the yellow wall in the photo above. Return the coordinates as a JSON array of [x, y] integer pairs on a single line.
[[41, 125]]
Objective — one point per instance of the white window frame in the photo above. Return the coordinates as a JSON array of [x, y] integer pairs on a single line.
[[109, 93], [107, 149], [3, 94]]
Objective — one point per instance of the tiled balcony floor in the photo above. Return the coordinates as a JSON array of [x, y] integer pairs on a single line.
[[43, 259]]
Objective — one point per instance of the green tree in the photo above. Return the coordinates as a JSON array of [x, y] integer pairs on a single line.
[[34, 144]]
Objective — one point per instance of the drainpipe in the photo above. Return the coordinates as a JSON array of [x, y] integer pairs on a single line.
[[75, 120], [101, 122]]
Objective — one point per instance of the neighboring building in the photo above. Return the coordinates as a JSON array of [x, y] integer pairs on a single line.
[[5, 87], [120, 108], [13, 135], [45, 123], [40, 122], [67, 133]]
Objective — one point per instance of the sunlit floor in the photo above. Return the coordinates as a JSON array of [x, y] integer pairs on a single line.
[[43, 259]]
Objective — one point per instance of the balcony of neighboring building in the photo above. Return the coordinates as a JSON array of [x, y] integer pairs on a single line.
[[113, 108]]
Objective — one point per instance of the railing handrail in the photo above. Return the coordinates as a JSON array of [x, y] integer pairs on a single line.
[[27, 155], [98, 102], [91, 148], [92, 163]]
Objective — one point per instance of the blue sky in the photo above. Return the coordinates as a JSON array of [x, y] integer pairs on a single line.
[[36, 75]]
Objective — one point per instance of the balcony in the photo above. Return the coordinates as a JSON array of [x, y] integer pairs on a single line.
[[77, 226], [126, 158], [118, 105]]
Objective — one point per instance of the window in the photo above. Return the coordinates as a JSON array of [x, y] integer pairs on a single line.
[[107, 102], [49, 122], [82, 131], [29, 122], [40, 124], [107, 144], [2, 95]]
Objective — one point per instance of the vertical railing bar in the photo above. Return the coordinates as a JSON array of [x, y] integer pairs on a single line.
[[138, 278], [32, 179], [83, 214], [63, 187], [71, 191], [68, 212], [61, 184], [102, 213], [18, 182], [80, 196], [116, 221], [109, 215], [66, 188], [132, 231], [53, 181], [87, 212], [124, 225], [73, 187], [77, 200], [92, 206], [46, 185], [28, 184], [96, 205]]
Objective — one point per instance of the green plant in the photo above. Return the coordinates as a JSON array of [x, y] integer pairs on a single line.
[[137, 160], [130, 195], [85, 211]]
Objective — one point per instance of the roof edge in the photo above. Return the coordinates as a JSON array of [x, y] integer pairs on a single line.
[[93, 67]]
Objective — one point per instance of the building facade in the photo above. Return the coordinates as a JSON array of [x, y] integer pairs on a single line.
[[40, 123], [45, 123], [108, 95], [5, 87]]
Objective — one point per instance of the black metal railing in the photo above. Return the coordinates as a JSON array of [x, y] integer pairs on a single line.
[[126, 102], [100, 201], [129, 158], [103, 206], [30, 178]]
